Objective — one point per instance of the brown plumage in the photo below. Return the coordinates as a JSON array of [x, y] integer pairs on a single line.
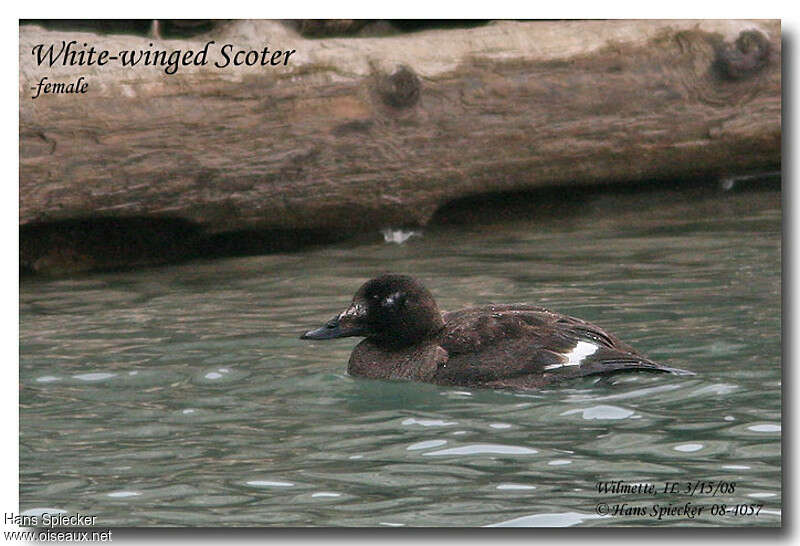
[[512, 346]]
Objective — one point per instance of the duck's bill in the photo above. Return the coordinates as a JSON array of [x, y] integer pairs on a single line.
[[333, 329]]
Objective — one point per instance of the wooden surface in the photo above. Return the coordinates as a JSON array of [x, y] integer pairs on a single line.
[[363, 133]]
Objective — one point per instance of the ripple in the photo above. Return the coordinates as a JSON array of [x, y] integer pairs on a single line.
[[38, 512], [61, 487], [765, 432], [563, 519], [688, 448], [95, 376], [515, 487], [426, 444], [654, 444], [123, 494], [638, 393], [214, 501], [602, 412], [428, 422], [722, 348], [479, 449], [267, 483], [717, 389], [218, 376], [559, 462], [765, 428]]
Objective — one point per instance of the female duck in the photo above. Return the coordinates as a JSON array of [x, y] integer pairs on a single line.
[[514, 346]]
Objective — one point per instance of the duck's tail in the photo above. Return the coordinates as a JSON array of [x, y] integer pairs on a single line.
[[627, 364], [609, 361]]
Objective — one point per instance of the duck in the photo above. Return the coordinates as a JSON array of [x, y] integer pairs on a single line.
[[513, 346]]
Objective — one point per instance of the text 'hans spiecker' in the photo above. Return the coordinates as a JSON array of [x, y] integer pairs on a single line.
[[47, 519]]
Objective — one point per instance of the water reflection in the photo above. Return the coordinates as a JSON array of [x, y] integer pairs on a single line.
[[181, 396]]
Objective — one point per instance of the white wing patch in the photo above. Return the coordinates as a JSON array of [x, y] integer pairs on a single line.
[[576, 355]]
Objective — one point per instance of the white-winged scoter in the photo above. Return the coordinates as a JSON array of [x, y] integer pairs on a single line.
[[501, 346]]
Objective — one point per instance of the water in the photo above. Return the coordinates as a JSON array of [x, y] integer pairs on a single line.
[[181, 395]]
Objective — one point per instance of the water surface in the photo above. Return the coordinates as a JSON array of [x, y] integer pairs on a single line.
[[181, 395]]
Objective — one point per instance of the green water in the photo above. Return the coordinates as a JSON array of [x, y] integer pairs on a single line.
[[181, 395]]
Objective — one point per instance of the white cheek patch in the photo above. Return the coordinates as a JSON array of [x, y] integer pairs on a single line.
[[391, 299], [576, 355], [352, 311]]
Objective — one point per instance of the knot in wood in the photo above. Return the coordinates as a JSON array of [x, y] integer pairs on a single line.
[[400, 89], [746, 56]]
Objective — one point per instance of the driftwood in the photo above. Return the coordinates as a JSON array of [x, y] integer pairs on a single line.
[[363, 133]]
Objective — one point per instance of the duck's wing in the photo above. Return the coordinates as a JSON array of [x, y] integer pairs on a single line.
[[526, 346]]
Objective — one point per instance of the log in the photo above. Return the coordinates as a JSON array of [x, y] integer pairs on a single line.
[[362, 133]]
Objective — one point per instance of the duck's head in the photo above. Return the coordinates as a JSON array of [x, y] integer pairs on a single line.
[[391, 310]]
